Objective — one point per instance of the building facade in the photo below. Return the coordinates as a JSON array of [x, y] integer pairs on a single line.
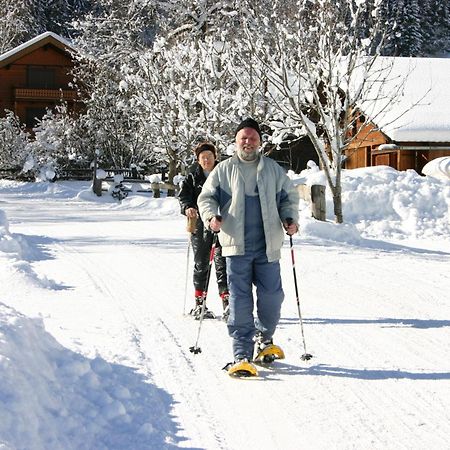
[[35, 76], [412, 125]]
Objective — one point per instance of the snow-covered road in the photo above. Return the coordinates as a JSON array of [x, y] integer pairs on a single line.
[[108, 281]]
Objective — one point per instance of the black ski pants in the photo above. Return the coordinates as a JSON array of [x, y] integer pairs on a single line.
[[201, 242]]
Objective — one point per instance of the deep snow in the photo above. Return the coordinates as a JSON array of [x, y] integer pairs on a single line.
[[94, 346]]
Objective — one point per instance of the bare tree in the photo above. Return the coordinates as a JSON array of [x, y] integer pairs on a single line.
[[109, 41], [183, 83], [320, 61]]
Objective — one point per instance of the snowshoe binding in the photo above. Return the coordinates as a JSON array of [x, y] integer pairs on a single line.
[[241, 369], [266, 352], [196, 312], [269, 354]]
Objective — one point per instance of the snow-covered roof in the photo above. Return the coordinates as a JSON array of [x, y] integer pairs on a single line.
[[32, 44], [417, 110]]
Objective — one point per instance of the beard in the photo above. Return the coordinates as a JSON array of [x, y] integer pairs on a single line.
[[245, 156]]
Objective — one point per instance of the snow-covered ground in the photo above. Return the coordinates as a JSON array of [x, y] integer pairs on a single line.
[[94, 343]]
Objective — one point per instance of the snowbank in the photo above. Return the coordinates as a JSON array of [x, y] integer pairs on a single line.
[[383, 203], [43, 189], [10, 245], [51, 397]]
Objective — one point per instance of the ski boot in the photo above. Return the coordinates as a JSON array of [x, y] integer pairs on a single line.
[[196, 312], [242, 367], [266, 352]]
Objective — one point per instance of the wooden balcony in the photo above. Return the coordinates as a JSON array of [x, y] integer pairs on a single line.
[[44, 94]]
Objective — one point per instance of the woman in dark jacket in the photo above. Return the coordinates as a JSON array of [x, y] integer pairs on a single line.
[[201, 238]]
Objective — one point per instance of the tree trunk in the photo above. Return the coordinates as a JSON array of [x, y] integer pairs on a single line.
[[337, 202], [170, 176]]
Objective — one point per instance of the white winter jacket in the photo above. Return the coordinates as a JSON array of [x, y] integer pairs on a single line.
[[224, 193]]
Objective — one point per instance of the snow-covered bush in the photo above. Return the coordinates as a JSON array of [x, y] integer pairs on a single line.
[[59, 142], [13, 142]]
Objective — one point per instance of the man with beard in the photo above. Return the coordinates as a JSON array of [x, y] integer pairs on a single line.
[[258, 203]]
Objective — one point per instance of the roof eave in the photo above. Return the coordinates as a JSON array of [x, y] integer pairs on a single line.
[[28, 47]]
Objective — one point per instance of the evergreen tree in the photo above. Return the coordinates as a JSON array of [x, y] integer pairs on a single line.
[[15, 24], [409, 30], [387, 16], [23, 20], [436, 27]]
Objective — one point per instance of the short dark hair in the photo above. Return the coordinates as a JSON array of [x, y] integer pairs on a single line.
[[205, 147]]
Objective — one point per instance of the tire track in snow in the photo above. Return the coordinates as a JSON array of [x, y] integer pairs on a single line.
[[101, 285], [108, 281], [187, 379], [377, 358], [368, 422]]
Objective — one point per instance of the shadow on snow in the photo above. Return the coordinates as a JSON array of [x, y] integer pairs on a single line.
[[282, 368], [384, 322], [370, 244], [52, 397]]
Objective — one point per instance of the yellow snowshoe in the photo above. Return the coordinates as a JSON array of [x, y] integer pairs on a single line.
[[242, 368], [268, 354]]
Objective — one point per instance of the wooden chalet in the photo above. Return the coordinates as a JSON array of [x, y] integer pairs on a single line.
[[35, 76], [416, 128]]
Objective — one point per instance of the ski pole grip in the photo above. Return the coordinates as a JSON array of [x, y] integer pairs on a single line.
[[289, 221], [219, 219], [191, 223]]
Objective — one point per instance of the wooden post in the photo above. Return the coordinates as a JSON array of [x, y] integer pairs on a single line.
[[315, 196], [96, 182], [318, 204], [97, 187], [156, 190]]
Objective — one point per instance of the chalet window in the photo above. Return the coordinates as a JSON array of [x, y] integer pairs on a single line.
[[33, 115], [40, 77]]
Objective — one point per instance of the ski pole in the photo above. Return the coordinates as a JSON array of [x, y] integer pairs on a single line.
[[195, 349], [187, 275], [306, 356], [190, 228]]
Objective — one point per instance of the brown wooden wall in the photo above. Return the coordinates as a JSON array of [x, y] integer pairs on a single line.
[[363, 152], [14, 76], [360, 149]]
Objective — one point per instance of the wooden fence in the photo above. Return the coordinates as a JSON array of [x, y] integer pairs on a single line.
[[15, 174], [135, 185], [314, 195]]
